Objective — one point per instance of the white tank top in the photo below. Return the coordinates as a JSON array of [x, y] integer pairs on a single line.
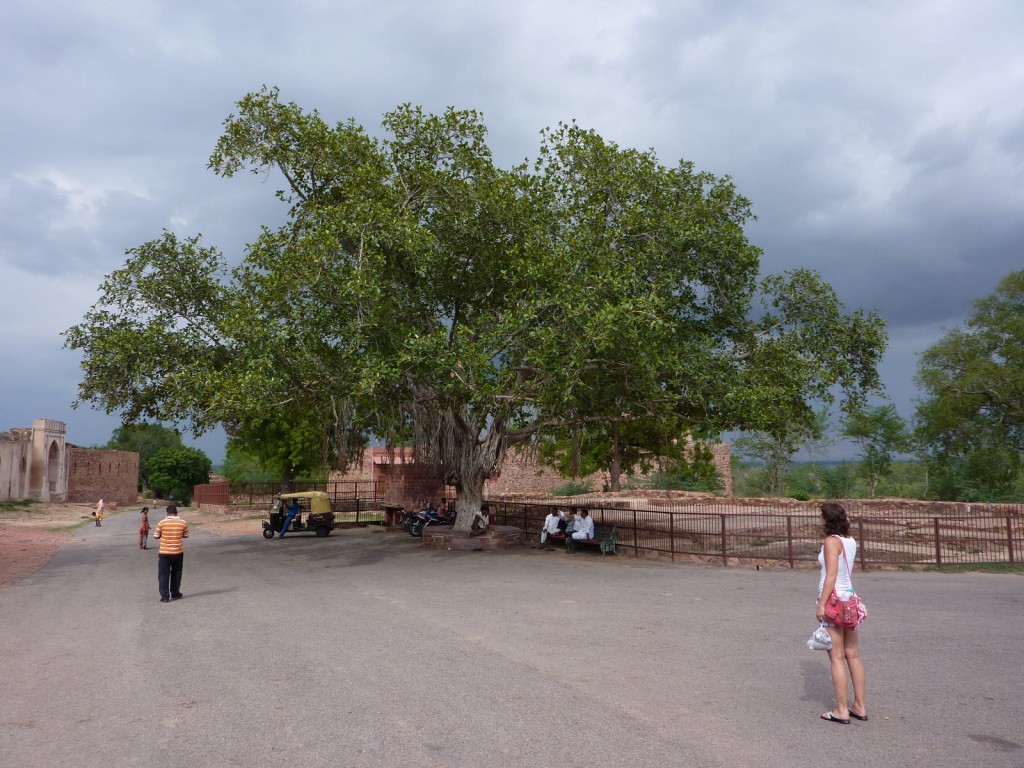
[[844, 585]]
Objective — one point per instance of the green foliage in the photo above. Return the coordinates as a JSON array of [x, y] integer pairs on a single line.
[[880, 432], [970, 422], [774, 449], [843, 480], [276, 448], [690, 470], [146, 440], [420, 294], [572, 488], [174, 472]]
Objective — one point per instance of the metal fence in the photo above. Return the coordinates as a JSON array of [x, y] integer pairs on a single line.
[[732, 537], [343, 493]]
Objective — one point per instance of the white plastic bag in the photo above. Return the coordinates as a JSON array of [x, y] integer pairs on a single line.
[[820, 640]]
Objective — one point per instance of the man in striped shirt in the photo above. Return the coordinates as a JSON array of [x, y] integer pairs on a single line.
[[172, 532]]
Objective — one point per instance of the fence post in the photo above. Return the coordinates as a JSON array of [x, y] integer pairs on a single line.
[[938, 542], [860, 548], [357, 507], [671, 535], [789, 540], [725, 554], [1009, 537], [636, 537]]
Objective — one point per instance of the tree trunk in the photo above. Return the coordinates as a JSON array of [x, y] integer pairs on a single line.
[[615, 470], [467, 504]]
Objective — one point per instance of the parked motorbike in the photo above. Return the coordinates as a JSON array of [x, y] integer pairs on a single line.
[[406, 518], [428, 517]]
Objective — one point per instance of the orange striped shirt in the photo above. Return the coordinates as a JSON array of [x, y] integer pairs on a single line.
[[171, 531]]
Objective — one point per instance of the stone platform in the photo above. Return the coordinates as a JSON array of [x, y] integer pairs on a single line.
[[495, 537]]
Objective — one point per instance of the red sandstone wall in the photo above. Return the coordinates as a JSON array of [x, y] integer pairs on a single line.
[[361, 472], [408, 485], [107, 475], [520, 475]]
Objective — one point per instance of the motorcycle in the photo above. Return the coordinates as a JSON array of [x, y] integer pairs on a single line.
[[406, 518], [428, 517]]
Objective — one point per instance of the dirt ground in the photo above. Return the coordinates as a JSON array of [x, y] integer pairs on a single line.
[[31, 535]]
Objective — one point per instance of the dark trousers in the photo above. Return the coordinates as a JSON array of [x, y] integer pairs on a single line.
[[169, 574]]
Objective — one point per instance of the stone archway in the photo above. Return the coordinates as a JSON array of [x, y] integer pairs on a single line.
[[54, 475]]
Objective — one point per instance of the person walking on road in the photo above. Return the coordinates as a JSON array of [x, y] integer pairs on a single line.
[[837, 555], [143, 527], [172, 532]]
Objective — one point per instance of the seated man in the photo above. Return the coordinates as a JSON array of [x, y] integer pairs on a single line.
[[584, 529], [554, 525]]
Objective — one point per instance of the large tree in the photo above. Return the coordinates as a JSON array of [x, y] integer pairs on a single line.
[[970, 421], [420, 294]]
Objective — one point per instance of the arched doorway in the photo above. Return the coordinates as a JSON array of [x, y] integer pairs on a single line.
[[54, 473]]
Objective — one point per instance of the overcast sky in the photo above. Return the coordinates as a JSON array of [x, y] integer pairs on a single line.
[[881, 143]]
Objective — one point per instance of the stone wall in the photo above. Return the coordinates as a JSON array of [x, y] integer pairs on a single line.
[[520, 474], [33, 462], [15, 457], [98, 474]]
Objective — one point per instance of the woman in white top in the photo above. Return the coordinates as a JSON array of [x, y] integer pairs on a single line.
[[837, 556]]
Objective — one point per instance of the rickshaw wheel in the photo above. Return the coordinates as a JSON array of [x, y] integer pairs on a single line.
[[267, 533], [322, 531]]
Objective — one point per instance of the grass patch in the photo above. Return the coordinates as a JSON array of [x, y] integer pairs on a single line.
[[978, 567], [69, 527], [18, 505]]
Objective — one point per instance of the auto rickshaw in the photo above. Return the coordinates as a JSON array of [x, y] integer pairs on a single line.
[[285, 516]]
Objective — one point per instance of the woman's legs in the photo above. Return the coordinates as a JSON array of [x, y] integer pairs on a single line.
[[851, 650], [837, 662]]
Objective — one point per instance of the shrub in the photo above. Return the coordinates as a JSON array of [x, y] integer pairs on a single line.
[[572, 488]]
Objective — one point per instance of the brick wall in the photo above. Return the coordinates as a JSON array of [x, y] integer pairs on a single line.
[[408, 485], [520, 473], [108, 475]]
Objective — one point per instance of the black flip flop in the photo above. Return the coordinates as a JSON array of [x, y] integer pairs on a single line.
[[833, 719], [855, 716]]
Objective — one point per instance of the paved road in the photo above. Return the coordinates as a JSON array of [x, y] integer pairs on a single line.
[[364, 650]]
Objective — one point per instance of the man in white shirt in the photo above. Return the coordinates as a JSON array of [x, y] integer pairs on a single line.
[[584, 529], [551, 525]]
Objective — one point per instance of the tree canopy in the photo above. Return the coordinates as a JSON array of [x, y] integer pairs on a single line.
[[420, 294], [174, 473], [970, 420], [146, 440]]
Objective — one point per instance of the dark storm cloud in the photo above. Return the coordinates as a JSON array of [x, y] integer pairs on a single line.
[[880, 144]]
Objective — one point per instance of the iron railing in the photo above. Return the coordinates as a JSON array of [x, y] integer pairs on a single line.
[[750, 535], [343, 491]]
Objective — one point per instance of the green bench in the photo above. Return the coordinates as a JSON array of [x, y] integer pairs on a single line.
[[604, 537]]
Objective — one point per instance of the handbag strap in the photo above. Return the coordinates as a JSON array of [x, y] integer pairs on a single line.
[[842, 545]]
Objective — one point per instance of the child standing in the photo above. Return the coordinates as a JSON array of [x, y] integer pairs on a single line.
[[99, 513], [144, 528]]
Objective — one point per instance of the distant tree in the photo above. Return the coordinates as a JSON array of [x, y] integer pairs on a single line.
[[146, 440], [174, 472], [970, 421], [774, 450], [241, 467], [880, 432], [285, 447], [818, 439]]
